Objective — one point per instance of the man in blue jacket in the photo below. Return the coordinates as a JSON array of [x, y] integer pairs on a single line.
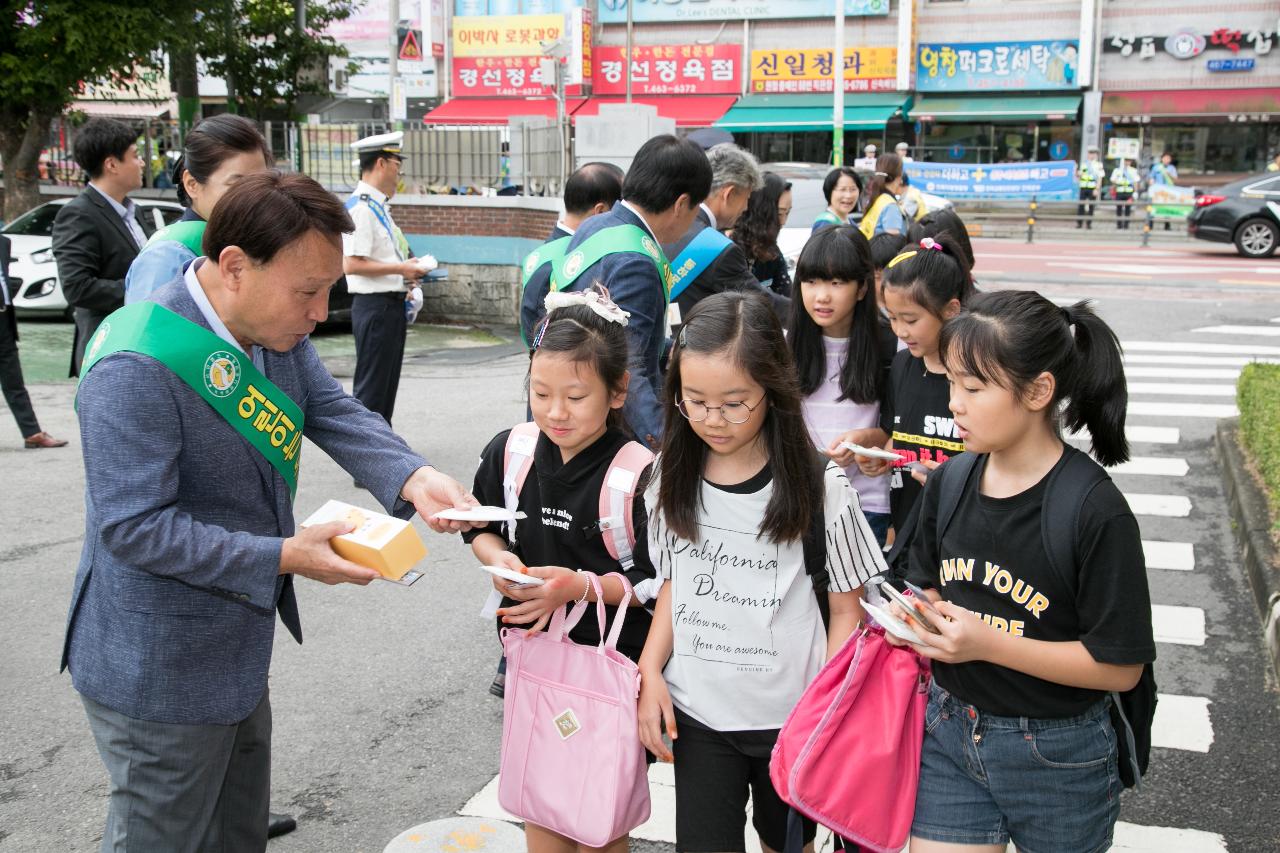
[[192, 408], [622, 250]]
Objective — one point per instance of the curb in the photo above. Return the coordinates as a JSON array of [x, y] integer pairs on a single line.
[[1251, 523]]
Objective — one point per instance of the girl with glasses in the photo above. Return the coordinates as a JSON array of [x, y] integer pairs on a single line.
[[747, 530]]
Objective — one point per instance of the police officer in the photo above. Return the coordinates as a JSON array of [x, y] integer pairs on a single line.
[[867, 162], [1090, 175], [1124, 179], [380, 274]]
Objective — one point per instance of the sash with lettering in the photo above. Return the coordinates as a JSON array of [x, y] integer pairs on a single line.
[[217, 371], [610, 241], [707, 245]]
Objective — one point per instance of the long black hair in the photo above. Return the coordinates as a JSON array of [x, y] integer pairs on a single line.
[[756, 230], [1011, 337], [586, 338], [931, 273], [740, 327], [212, 141], [838, 253]]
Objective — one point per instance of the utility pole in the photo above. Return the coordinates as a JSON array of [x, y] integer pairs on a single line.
[[837, 107], [393, 14]]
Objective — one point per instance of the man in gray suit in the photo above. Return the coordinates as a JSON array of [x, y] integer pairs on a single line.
[[190, 548]]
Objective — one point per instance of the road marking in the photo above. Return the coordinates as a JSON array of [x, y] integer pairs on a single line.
[[1266, 331], [1152, 466], [1184, 347], [1182, 389], [1182, 722], [1136, 434], [1182, 626], [1255, 282], [1168, 506], [1181, 372], [1202, 360], [1172, 556], [1183, 410], [1131, 838], [1111, 276]]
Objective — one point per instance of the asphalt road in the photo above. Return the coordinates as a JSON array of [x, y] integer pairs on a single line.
[[383, 719]]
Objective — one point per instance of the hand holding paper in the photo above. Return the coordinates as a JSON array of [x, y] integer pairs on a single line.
[[431, 491]]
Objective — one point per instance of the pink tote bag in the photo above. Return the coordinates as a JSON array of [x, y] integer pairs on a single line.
[[848, 756], [572, 760]]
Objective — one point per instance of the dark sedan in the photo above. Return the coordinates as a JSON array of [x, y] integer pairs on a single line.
[[1246, 213]]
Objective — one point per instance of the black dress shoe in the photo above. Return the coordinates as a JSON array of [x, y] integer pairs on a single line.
[[280, 824]]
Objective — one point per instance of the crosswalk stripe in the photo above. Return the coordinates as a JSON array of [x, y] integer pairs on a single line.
[[1262, 331], [1173, 556], [1168, 506], [1201, 360], [1182, 626], [1183, 389], [1183, 410], [1182, 722], [1178, 372], [1131, 838], [1152, 466], [1136, 434], [1208, 349]]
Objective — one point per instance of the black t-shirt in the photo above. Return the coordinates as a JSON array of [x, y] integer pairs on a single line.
[[562, 505], [992, 561], [916, 415]]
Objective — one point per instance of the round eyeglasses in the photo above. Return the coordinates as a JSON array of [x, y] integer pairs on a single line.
[[734, 413]]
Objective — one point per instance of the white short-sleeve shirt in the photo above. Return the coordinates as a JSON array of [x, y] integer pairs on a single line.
[[371, 240]]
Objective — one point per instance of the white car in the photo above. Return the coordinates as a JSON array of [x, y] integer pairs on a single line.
[[31, 238]]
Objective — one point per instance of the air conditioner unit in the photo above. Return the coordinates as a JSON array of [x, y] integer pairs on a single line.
[[338, 76]]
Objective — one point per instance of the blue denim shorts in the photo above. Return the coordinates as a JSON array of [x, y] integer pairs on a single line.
[[1050, 786]]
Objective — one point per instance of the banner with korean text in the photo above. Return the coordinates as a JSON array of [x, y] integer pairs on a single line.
[[1045, 180], [808, 70], [683, 69], [997, 66]]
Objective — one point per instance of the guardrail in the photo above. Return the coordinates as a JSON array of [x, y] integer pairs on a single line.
[[1059, 218]]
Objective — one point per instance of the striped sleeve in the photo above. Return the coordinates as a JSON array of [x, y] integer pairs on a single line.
[[853, 555]]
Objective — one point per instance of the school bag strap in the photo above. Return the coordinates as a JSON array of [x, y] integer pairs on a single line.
[[517, 459], [617, 500]]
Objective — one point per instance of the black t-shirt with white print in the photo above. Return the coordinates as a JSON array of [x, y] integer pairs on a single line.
[[562, 505], [917, 416], [992, 561]]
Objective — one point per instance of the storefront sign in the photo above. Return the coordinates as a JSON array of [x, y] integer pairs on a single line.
[[517, 35], [578, 64], [1044, 180], [1128, 148], [683, 69], [1230, 64], [499, 77], [989, 66], [1188, 44], [645, 11], [866, 69]]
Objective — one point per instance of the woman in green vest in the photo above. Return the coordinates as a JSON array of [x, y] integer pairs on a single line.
[[842, 188], [884, 214], [218, 152]]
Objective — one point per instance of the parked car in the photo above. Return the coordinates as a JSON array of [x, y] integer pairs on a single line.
[[31, 236], [40, 294], [1246, 213]]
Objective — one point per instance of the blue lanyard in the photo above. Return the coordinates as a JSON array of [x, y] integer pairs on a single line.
[[380, 213]]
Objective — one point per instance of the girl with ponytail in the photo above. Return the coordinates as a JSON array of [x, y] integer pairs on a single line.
[[1028, 648]]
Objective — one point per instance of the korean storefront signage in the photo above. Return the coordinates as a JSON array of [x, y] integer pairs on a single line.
[[866, 69], [516, 35], [646, 11], [1188, 44], [997, 66], [1044, 180], [499, 77], [684, 69]]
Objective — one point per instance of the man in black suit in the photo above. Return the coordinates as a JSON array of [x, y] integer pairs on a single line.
[[97, 234], [11, 382], [704, 261]]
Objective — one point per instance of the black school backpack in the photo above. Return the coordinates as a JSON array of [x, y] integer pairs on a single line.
[[1068, 488]]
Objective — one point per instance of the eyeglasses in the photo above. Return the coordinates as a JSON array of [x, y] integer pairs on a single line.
[[734, 413]]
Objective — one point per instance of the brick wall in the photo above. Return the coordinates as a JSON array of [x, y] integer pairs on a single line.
[[531, 218]]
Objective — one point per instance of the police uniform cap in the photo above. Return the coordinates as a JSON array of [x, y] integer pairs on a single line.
[[386, 143]]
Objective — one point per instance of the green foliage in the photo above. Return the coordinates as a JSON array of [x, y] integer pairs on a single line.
[[256, 47], [1258, 397]]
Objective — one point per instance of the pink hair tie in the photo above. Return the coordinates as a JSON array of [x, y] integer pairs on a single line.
[[930, 243]]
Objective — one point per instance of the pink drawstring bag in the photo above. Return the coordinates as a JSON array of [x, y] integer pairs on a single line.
[[572, 760], [848, 756]]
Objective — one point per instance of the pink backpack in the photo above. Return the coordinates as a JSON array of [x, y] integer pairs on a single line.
[[848, 755], [617, 493], [571, 759]]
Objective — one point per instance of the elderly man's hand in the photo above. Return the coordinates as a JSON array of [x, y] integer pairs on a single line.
[[431, 491]]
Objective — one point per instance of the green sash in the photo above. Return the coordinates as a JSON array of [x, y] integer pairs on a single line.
[[221, 374], [828, 216], [610, 241], [189, 233], [548, 253]]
